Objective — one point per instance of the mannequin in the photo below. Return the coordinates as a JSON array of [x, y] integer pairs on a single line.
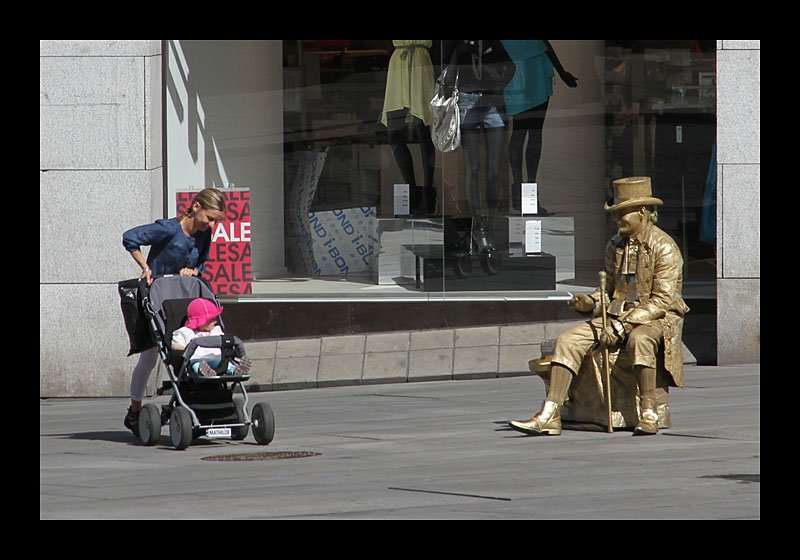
[[484, 69], [409, 89], [527, 96]]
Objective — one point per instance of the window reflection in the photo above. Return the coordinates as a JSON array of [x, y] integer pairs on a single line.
[[332, 141]]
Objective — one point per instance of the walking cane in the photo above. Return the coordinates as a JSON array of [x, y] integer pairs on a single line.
[[605, 348]]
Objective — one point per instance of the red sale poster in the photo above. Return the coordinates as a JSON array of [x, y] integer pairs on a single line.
[[229, 267]]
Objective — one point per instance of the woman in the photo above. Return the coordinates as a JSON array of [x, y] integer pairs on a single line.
[[177, 246]]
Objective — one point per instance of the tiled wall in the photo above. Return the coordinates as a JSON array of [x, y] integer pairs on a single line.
[[429, 355]]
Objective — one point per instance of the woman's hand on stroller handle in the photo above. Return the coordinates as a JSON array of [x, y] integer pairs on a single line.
[[149, 276]]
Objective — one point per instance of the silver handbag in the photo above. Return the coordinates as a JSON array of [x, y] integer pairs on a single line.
[[446, 120]]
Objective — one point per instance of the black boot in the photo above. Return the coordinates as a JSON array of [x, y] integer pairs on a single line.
[[430, 200], [417, 200], [516, 197], [132, 421]]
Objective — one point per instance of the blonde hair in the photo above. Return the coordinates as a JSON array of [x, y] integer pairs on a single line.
[[209, 198]]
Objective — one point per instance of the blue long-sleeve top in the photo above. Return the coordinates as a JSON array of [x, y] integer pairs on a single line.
[[170, 248]]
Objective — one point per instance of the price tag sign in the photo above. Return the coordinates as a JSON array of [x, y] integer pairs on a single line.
[[402, 204], [533, 236], [530, 198]]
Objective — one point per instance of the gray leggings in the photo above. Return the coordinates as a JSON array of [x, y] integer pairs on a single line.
[[141, 373]]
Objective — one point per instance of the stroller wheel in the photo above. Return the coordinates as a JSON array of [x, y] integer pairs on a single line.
[[263, 423], [150, 424], [241, 432], [180, 427], [490, 263]]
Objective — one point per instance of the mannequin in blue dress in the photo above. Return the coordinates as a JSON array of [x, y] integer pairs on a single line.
[[527, 96]]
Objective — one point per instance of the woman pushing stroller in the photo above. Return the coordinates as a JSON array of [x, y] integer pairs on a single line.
[[177, 246]]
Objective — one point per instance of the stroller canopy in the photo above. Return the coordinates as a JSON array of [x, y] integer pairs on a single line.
[[171, 288]]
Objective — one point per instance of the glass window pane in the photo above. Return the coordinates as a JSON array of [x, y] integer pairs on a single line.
[[341, 190]]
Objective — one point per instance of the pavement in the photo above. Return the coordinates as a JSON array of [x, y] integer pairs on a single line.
[[421, 450]]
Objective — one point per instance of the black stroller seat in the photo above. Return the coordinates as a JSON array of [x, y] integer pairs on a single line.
[[174, 318]]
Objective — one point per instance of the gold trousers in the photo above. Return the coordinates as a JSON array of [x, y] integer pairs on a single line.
[[641, 344]]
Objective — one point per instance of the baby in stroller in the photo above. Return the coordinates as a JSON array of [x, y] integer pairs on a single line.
[[201, 321]]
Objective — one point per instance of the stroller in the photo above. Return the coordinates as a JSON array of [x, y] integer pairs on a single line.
[[200, 404]]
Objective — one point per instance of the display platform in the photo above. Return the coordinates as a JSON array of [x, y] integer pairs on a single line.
[[408, 248], [436, 270]]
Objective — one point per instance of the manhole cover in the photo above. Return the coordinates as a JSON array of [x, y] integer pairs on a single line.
[[263, 456], [741, 478]]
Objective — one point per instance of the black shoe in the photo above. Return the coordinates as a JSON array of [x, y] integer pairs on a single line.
[[132, 422], [416, 202], [516, 197], [430, 200]]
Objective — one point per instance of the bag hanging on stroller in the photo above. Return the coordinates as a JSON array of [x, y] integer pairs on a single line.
[[139, 335]]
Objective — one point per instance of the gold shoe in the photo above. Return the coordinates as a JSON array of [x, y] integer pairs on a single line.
[[648, 424], [546, 422]]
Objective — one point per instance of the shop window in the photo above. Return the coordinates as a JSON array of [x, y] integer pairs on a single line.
[[347, 197]]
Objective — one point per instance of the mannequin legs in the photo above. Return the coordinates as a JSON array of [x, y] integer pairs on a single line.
[[470, 142], [424, 196], [528, 124]]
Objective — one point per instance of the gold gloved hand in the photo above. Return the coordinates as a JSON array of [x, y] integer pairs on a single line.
[[613, 334], [582, 303]]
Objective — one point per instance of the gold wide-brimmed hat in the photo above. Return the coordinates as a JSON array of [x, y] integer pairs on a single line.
[[632, 191]]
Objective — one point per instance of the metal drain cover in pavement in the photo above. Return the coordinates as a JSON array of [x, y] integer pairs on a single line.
[[741, 478], [263, 456]]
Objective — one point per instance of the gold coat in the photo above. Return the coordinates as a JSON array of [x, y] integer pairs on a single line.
[[658, 287]]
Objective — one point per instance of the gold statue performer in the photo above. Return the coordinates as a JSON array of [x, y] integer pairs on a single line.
[[644, 270]]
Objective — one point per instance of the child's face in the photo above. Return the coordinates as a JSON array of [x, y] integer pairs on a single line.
[[207, 326]]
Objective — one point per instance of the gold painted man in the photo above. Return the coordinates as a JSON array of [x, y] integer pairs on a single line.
[[644, 268]]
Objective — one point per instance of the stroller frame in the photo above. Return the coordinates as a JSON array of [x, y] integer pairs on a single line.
[[188, 419]]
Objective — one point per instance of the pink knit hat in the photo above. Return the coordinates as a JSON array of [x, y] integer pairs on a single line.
[[200, 312]]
